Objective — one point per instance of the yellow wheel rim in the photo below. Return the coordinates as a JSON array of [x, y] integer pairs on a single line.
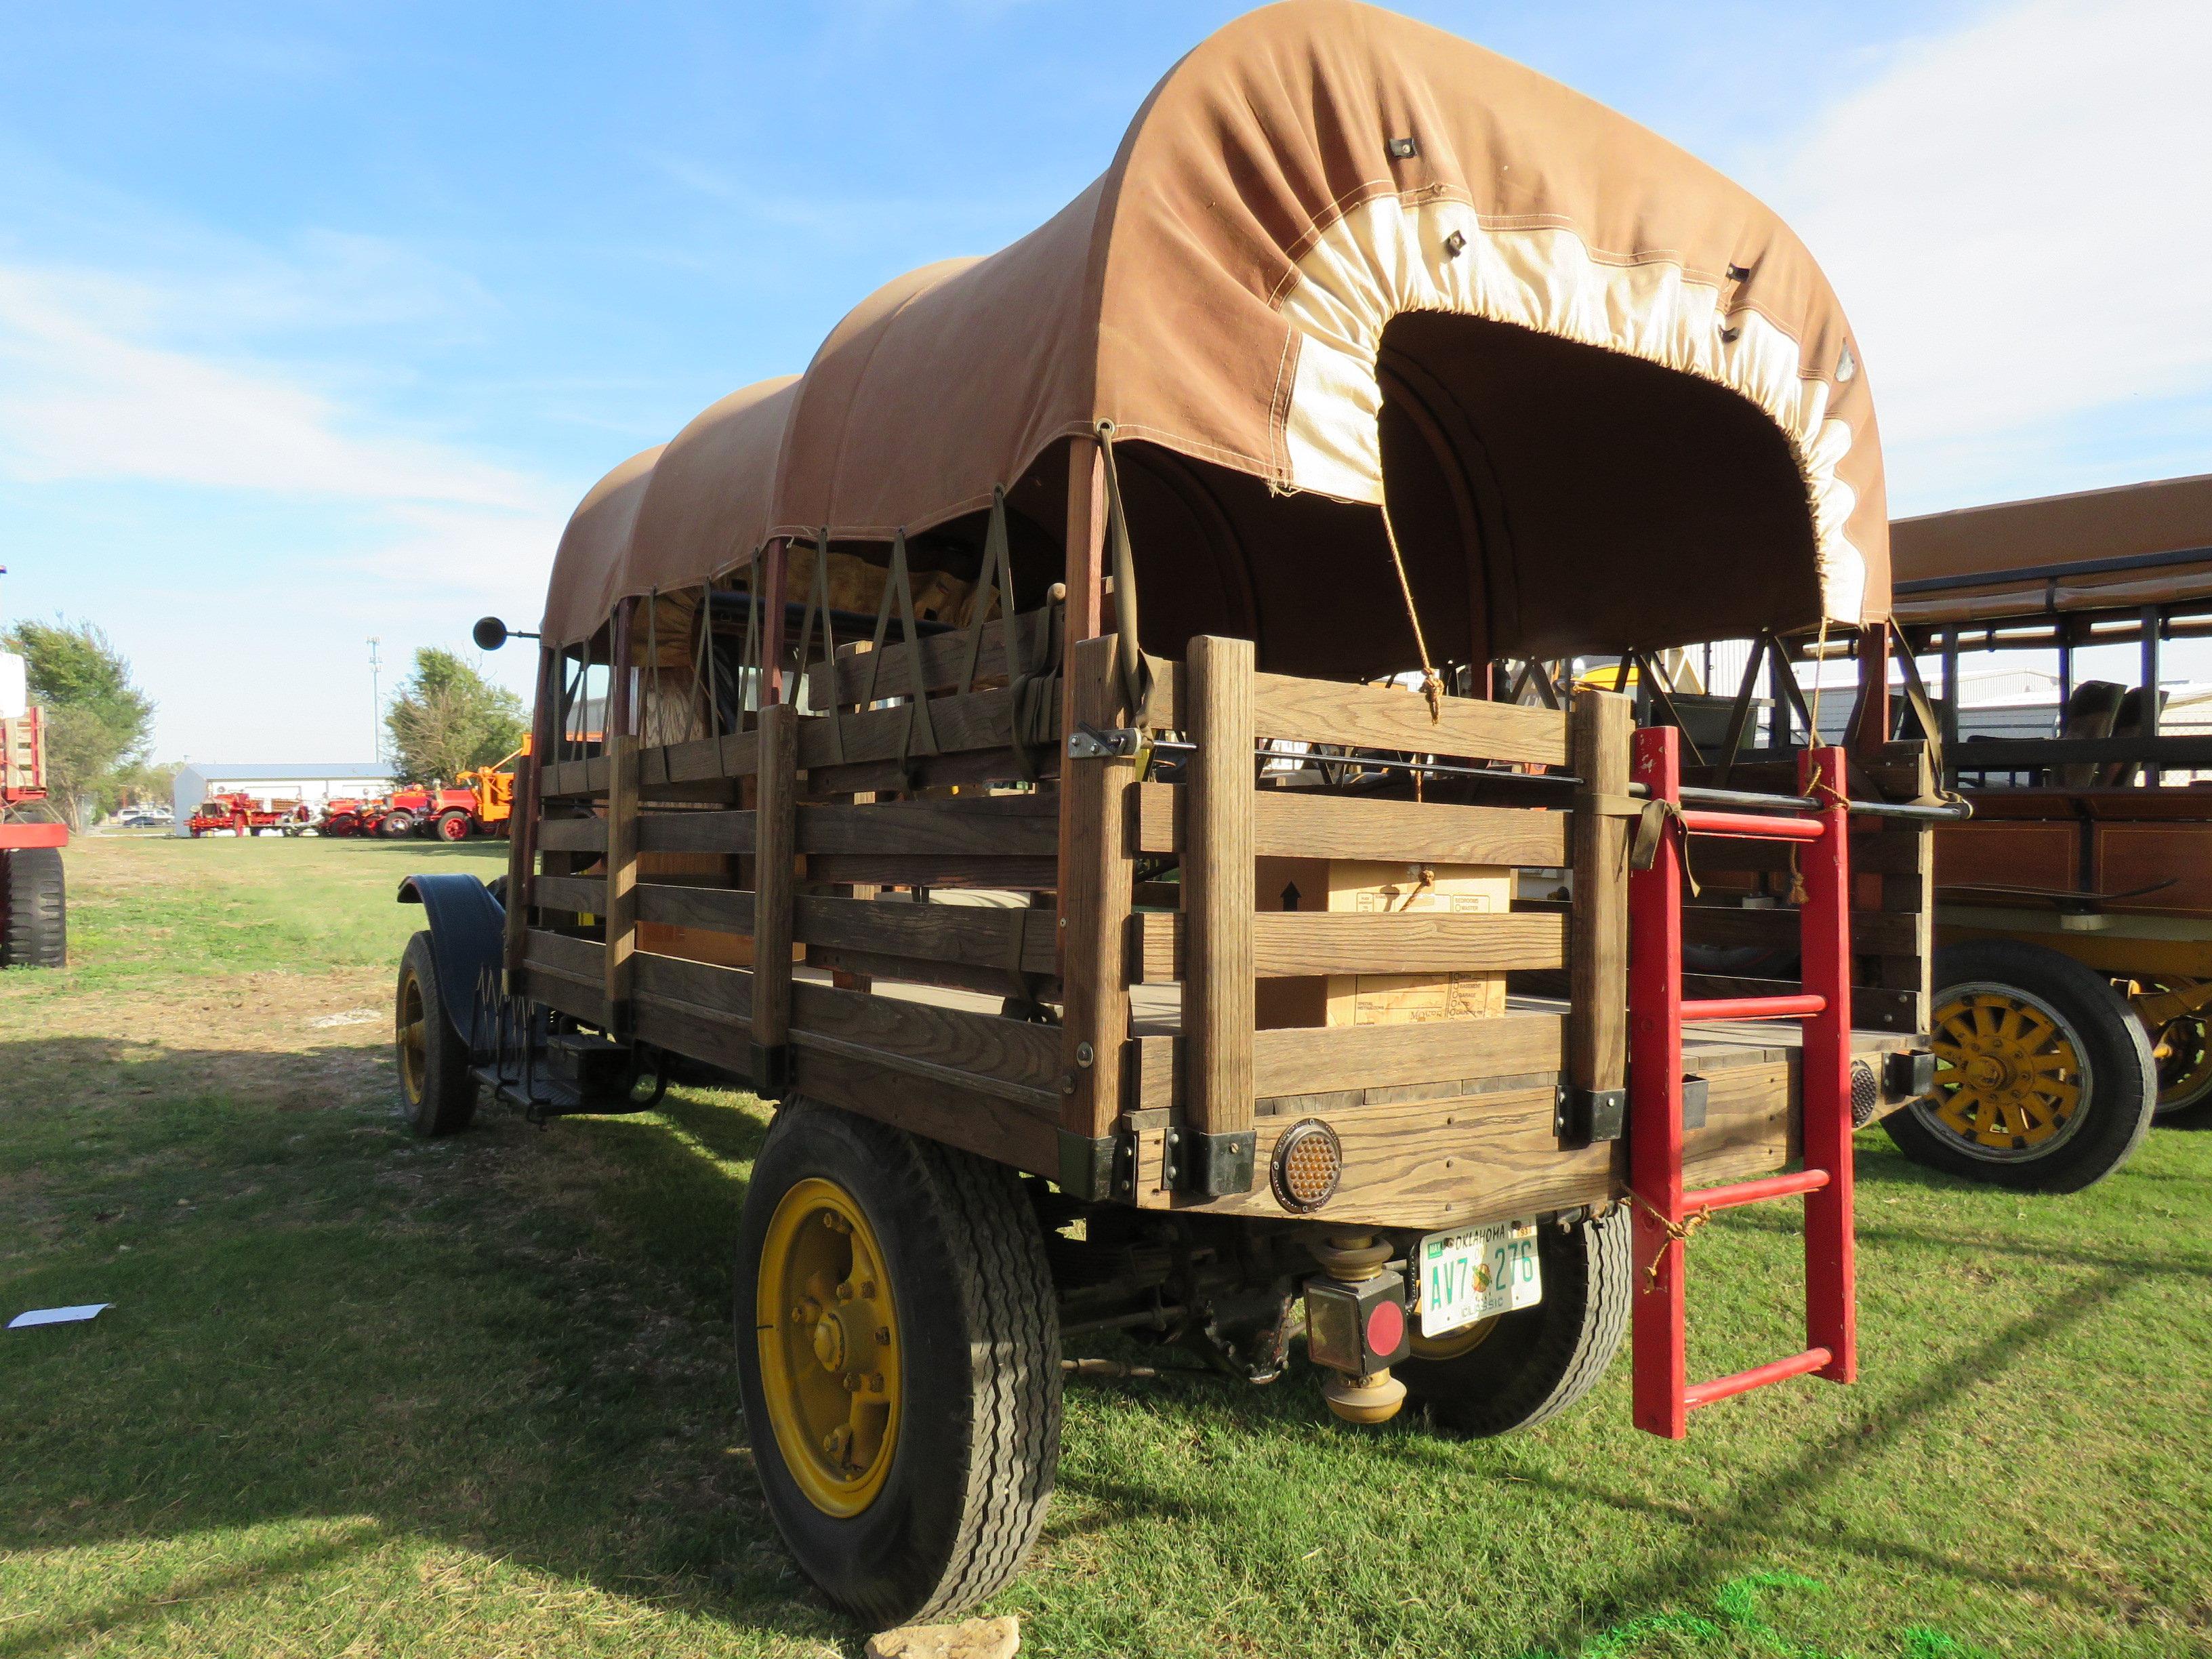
[[2010, 1075], [828, 1340], [1453, 1345], [2180, 1045], [414, 1037]]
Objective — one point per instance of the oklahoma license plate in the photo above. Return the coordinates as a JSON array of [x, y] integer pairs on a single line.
[[1477, 1274]]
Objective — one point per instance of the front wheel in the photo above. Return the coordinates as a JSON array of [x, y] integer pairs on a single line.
[[1517, 1370], [898, 1352], [436, 1089], [2173, 1013], [396, 824], [452, 825], [2044, 1076]]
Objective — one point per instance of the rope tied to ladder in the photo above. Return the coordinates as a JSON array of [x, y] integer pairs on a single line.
[[1677, 1233]]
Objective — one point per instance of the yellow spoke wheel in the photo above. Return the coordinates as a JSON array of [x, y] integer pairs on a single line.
[[828, 1339], [2180, 1043], [414, 1043], [2010, 1075]]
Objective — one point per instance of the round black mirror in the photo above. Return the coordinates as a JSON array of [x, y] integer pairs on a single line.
[[490, 633]]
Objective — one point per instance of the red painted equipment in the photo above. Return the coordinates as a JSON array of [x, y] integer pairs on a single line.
[[1664, 1213], [243, 815]]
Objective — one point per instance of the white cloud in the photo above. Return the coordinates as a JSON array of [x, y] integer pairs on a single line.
[[2018, 216], [81, 398]]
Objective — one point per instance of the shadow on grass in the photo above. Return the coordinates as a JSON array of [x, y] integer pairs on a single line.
[[515, 1342]]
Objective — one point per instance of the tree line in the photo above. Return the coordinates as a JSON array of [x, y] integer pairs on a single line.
[[444, 719]]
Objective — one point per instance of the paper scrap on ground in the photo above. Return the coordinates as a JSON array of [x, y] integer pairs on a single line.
[[56, 1315]]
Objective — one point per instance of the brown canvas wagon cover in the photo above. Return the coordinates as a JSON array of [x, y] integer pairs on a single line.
[[2146, 543], [1614, 398]]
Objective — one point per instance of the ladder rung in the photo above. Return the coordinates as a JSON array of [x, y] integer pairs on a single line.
[[1755, 1192], [1752, 1007], [1752, 827], [1779, 1370]]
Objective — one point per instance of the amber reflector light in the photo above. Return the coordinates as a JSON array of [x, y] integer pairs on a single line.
[[1309, 1161]]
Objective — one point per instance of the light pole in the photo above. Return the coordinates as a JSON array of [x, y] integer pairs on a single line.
[[375, 701]]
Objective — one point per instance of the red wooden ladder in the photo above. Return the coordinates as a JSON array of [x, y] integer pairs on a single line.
[[1657, 1011]]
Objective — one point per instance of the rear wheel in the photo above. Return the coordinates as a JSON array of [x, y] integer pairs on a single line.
[[33, 909], [899, 1355], [452, 825], [2044, 1076], [397, 822], [436, 1088], [2174, 1014], [1517, 1370]]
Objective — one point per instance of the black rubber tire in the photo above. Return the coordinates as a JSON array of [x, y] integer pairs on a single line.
[[497, 885], [450, 825], [445, 1103], [1538, 1362], [33, 909], [396, 826], [2115, 1113], [979, 1443]]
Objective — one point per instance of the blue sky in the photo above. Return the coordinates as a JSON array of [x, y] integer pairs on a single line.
[[316, 320]]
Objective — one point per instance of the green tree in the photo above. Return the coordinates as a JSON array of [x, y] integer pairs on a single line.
[[446, 717], [98, 722]]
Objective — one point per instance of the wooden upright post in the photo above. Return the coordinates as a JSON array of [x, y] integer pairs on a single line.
[[1597, 1017], [774, 832], [622, 819], [1096, 875], [1219, 916], [1096, 885], [1869, 727], [769, 596], [523, 814]]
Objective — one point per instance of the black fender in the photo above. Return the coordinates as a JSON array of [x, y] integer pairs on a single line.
[[468, 934]]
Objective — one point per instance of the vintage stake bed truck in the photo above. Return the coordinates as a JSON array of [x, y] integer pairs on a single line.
[[1187, 973]]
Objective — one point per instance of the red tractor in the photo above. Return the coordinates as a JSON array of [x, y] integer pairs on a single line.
[[243, 815]]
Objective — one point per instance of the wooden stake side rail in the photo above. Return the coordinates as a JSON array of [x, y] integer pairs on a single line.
[[1298, 824], [1289, 944]]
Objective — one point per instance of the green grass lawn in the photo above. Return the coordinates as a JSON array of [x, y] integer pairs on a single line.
[[363, 1395]]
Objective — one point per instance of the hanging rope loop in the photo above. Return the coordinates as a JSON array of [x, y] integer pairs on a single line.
[[1136, 672]]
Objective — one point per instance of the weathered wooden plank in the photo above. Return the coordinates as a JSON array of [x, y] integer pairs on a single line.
[[681, 1029], [571, 994], [1298, 824], [1031, 875], [987, 826], [696, 832], [1875, 851], [1007, 1131], [975, 766], [1006, 940], [706, 990], [1393, 718], [1308, 1060], [940, 655], [1217, 921], [772, 878], [1426, 1163], [582, 960], [1291, 945], [722, 910], [870, 965], [1597, 1017], [523, 826], [588, 776], [573, 834], [982, 719], [1009, 1058], [578, 895]]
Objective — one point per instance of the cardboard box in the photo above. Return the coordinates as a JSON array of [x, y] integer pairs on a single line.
[[1374, 889]]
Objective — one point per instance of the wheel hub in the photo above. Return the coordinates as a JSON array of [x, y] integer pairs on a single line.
[[2009, 1076], [829, 1354]]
